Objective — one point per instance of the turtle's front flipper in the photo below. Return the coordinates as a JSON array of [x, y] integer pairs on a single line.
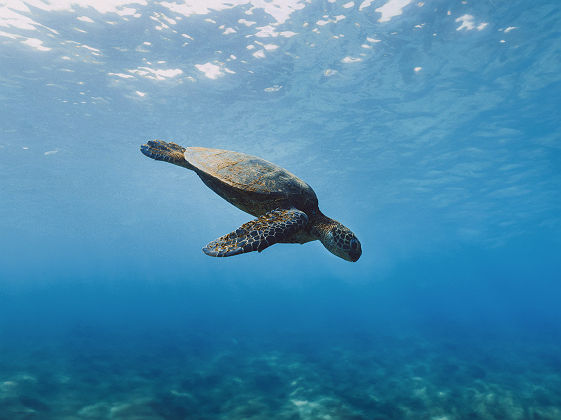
[[258, 234]]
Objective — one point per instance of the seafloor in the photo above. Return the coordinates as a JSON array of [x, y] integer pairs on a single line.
[[88, 374]]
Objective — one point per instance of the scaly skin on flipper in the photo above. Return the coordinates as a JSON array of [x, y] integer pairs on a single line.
[[256, 235], [168, 152]]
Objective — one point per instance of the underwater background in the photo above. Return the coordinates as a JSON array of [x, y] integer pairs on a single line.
[[430, 128]]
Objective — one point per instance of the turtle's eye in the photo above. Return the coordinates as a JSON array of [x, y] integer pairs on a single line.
[[354, 244]]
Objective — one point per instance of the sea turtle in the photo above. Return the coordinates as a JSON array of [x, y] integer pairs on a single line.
[[285, 206]]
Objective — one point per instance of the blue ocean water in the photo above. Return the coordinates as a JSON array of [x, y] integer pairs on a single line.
[[429, 128]]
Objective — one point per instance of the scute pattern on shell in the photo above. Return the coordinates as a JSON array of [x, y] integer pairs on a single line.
[[258, 234], [249, 174]]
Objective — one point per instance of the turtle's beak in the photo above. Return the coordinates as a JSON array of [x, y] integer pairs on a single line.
[[356, 250], [355, 255]]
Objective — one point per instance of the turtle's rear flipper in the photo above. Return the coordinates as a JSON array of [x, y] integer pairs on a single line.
[[168, 152], [258, 234]]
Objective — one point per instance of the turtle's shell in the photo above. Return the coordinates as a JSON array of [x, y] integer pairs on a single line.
[[238, 176]]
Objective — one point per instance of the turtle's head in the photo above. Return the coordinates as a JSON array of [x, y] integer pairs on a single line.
[[337, 238]]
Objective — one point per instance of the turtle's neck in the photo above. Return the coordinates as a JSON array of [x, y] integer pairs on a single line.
[[321, 225], [337, 238]]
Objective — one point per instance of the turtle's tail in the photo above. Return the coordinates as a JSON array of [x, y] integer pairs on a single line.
[[168, 152]]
